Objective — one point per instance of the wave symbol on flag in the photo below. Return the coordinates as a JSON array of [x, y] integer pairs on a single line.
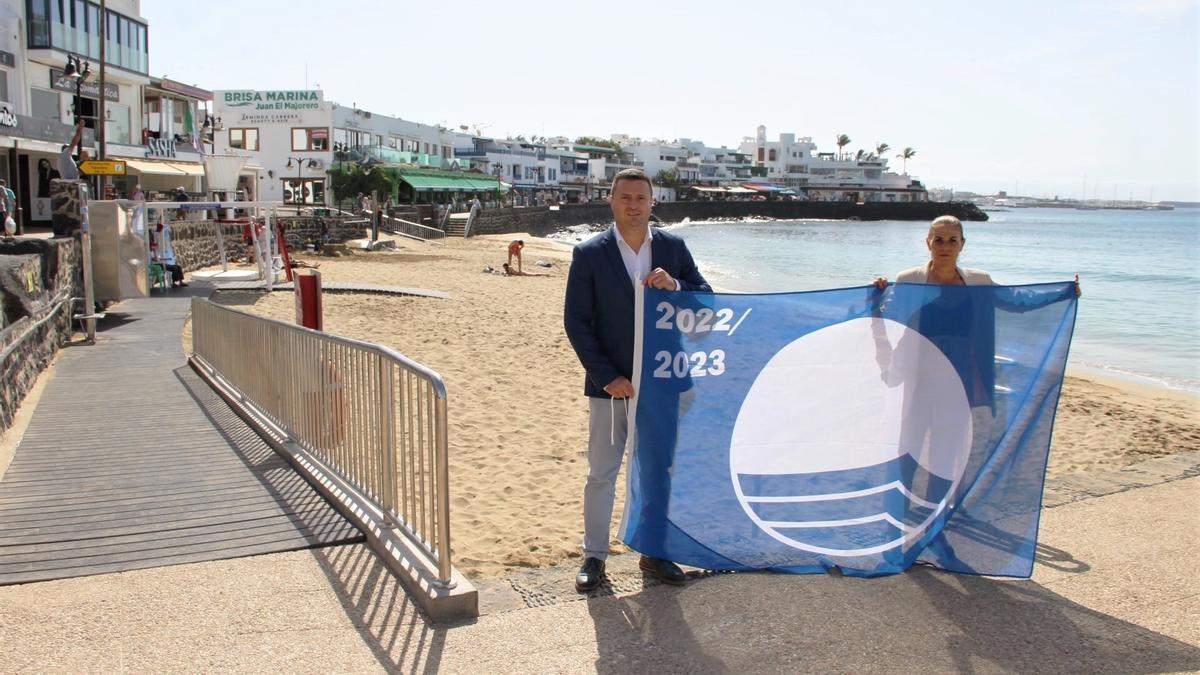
[[852, 439]]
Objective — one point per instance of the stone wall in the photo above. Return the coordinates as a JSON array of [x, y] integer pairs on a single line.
[[34, 274], [541, 220], [195, 242]]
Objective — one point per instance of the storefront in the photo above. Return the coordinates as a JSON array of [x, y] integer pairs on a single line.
[[29, 150], [283, 133], [439, 187]]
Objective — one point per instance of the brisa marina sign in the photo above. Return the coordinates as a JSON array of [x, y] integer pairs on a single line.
[[273, 100]]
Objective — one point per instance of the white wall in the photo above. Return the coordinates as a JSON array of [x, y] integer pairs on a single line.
[[274, 121]]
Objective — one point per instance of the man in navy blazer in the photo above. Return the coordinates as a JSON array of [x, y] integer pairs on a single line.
[[599, 317]]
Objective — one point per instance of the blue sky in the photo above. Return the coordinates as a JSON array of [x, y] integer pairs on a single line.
[[1027, 96]]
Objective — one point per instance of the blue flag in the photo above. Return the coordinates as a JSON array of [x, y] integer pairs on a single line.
[[858, 428]]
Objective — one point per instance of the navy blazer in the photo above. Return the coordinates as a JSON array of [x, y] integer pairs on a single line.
[[598, 313]]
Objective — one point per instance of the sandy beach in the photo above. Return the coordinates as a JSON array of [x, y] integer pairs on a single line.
[[518, 416]]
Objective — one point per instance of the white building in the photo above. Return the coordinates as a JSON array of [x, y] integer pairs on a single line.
[[718, 166], [656, 156], [39, 103], [362, 130], [791, 162], [284, 132]]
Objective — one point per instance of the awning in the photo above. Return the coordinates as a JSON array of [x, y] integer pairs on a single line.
[[145, 166], [740, 190], [188, 169], [697, 188], [764, 188], [450, 184]]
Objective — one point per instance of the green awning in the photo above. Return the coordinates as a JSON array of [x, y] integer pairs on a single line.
[[422, 183]]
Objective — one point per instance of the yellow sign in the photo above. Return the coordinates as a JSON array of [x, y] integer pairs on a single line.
[[103, 168]]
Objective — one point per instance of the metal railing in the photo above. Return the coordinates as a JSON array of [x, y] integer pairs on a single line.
[[408, 228], [368, 413]]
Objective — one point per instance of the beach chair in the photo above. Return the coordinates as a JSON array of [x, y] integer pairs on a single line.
[[158, 276]]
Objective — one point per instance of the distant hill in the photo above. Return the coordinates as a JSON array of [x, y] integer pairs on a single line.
[[1183, 205]]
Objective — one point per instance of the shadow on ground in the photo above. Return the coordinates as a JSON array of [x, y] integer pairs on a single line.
[[921, 620]]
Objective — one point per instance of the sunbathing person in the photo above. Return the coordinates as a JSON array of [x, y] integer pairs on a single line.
[[509, 271]]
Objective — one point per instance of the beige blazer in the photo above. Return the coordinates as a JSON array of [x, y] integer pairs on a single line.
[[920, 275]]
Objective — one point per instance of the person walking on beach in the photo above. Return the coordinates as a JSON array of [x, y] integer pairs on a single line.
[[598, 317]]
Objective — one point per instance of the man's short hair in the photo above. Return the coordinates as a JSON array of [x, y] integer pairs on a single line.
[[632, 174]]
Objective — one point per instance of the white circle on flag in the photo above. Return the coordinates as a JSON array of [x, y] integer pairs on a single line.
[[827, 424]]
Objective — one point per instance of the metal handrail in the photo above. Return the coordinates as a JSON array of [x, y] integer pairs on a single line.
[[415, 230], [372, 415]]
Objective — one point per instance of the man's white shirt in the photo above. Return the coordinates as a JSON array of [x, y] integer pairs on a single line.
[[637, 264]]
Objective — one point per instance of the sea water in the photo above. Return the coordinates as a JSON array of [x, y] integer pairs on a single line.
[[1139, 271]]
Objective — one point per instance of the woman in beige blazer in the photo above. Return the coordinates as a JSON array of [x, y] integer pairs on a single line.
[[945, 242]]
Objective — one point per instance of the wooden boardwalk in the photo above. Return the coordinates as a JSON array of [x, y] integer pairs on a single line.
[[132, 461]]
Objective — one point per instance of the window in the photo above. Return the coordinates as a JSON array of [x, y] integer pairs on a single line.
[[74, 26], [45, 104], [93, 19], [118, 123], [311, 138], [304, 190], [243, 139], [771, 155], [39, 25], [4, 86]]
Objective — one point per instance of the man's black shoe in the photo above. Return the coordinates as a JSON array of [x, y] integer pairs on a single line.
[[663, 570], [589, 575]]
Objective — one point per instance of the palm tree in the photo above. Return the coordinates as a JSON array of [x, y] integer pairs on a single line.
[[859, 155], [842, 141], [907, 155], [882, 148]]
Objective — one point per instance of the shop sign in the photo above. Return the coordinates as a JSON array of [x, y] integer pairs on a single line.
[[90, 89], [7, 118], [40, 129], [95, 167], [7, 59], [271, 100], [160, 147]]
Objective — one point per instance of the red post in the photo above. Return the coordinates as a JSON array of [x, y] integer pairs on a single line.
[[308, 298]]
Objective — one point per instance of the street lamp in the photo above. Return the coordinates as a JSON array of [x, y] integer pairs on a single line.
[[79, 70], [210, 128], [300, 162]]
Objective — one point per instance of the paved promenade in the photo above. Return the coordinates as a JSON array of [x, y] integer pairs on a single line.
[[1115, 591], [1116, 588]]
